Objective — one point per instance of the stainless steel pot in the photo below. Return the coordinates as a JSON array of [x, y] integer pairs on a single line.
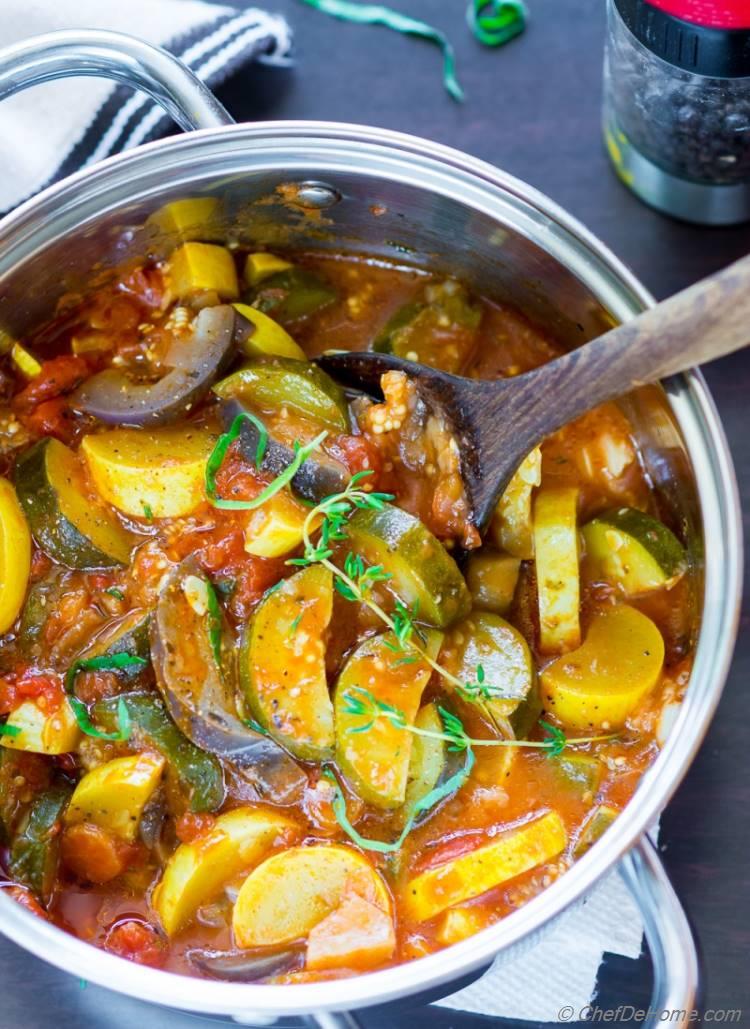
[[388, 194]]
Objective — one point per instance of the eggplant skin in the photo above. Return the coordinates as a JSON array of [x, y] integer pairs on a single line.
[[244, 966], [114, 398], [319, 476], [201, 697]]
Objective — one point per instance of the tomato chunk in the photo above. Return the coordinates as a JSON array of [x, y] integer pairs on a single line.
[[137, 941], [358, 934]]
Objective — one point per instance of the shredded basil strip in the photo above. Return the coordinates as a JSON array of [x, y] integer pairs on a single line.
[[377, 14], [114, 592], [445, 789], [10, 730], [103, 663], [495, 22], [214, 623], [219, 452]]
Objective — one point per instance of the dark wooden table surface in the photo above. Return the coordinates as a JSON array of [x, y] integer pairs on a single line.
[[532, 108]]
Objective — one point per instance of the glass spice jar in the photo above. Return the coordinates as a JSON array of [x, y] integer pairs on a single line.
[[677, 105]]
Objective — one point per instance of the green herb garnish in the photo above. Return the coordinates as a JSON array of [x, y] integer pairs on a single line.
[[355, 580], [427, 803], [216, 459], [103, 663], [114, 592], [10, 730], [148, 513], [362, 703], [295, 624]]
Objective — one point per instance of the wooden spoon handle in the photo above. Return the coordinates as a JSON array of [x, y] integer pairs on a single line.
[[703, 322]]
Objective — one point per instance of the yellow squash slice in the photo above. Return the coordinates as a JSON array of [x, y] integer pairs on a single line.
[[291, 892], [472, 874], [114, 795], [42, 732], [197, 871], [557, 572], [269, 338], [15, 556], [203, 268], [599, 685], [157, 473]]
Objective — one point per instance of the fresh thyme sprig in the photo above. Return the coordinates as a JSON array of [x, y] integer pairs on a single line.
[[355, 580], [362, 703], [217, 455]]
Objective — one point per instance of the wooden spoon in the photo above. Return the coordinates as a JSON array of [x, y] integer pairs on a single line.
[[497, 423]]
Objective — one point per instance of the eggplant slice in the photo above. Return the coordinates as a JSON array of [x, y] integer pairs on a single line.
[[320, 475], [201, 696], [244, 966], [116, 399]]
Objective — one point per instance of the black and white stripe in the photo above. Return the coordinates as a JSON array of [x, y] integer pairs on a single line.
[[214, 50]]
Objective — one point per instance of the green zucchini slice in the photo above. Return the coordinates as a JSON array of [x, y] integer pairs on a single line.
[[439, 330], [428, 759], [486, 640], [593, 828], [374, 753], [283, 667], [291, 294], [66, 523], [633, 550], [424, 575], [35, 850], [268, 384]]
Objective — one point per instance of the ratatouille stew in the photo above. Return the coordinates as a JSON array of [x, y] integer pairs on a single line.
[[271, 709]]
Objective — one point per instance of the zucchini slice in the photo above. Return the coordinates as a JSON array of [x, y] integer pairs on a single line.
[[35, 849], [197, 871], [272, 383], [65, 521], [196, 775], [291, 294], [15, 556], [515, 851], [283, 664], [492, 580], [633, 550], [423, 572], [114, 795], [486, 640], [581, 773], [599, 685], [593, 828], [428, 759], [557, 572], [290, 893], [150, 473], [376, 759], [439, 330]]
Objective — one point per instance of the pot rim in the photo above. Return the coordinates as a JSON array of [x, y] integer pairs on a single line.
[[449, 170]]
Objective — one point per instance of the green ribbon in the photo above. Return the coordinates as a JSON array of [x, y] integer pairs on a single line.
[[495, 22], [377, 14]]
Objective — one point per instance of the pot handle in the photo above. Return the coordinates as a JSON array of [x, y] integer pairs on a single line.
[[113, 55], [670, 938]]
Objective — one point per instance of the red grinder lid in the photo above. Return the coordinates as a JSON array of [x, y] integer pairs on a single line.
[[707, 37]]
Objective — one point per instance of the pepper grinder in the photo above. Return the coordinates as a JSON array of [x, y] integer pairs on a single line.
[[677, 105]]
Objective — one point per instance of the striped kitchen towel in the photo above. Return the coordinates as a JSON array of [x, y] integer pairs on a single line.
[[51, 130]]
